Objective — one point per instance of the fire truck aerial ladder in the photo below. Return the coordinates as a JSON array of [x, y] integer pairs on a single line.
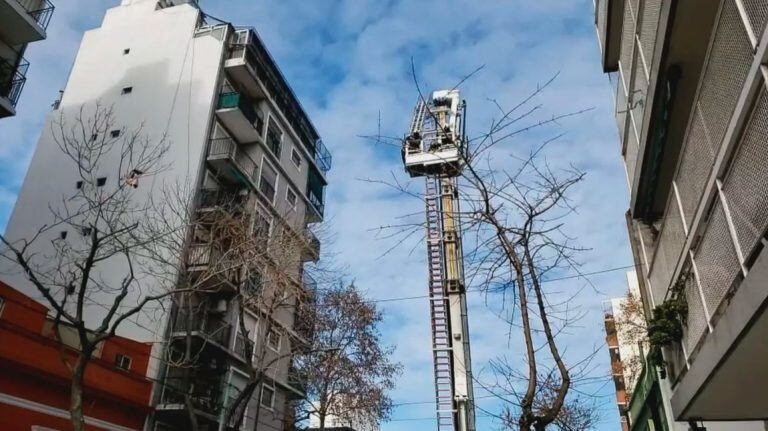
[[435, 149]]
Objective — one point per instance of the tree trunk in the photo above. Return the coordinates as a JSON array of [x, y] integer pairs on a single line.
[[76, 392]]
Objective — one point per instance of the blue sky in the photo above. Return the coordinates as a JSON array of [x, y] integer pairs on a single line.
[[349, 63]]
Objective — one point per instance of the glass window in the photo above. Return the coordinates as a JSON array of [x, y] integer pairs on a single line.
[[123, 362], [267, 396], [273, 340], [268, 182], [290, 196], [296, 158]]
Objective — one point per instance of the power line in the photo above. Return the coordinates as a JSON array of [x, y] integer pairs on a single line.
[[569, 277]]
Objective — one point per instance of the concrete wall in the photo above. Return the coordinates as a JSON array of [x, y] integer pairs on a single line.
[[174, 77]]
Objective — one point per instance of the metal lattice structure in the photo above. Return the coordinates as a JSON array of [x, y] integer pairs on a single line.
[[434, 149]]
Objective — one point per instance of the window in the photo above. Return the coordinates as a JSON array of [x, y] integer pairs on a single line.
[[101, 181], [273, 340], [268, 182], [290, 196], [114, 133], [274, 138], [63, 234], [126, 51], [127, 90], [267, 396], [296, 158], [254, 283], [2, 305], [123, 362], [79, 185]]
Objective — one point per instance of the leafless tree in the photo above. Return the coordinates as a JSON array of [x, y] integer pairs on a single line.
[[75, 274], [243, 253], [349, 373], [515, 206]]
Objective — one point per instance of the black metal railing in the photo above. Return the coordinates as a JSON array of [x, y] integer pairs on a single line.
[[212, 198], [205, 391], [211, 327], [39, 10], [12, 79]]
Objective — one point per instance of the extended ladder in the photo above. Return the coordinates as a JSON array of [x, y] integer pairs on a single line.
[[439, 313]]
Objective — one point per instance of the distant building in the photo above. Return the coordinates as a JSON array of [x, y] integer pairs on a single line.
[[625, 351], [34, 382], [21, 22], [691, 105]]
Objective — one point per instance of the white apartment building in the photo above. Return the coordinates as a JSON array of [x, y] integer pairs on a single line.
[[234, 127], [21, 22], [691, 106]]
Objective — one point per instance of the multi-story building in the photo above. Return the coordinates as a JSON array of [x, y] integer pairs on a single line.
[[34, 381], [237, 134], [692, 107], [621, 329], [21, 22]]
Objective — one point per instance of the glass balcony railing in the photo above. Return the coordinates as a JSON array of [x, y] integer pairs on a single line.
[[244, 104], [12, 79], [39, 10]]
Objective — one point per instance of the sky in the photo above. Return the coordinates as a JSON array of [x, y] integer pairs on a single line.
[[349, 62]]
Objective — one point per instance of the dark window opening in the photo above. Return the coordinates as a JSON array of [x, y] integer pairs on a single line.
[[63, 234], [79, 185], [114, 133], [123, 362], [127, 90], [126, 51], [101, 181]]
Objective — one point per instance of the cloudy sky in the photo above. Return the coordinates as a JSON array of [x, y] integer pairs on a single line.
[[349, 62]]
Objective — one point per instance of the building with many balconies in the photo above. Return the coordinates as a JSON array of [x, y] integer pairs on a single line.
[[239, 136], [21, 22], [691, 105]]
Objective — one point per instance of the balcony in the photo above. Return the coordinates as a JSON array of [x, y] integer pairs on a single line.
[[315, 191], [251, 65], [24, 21], [203, 388], [212, 269], [311, 252], [236, 111], [232, 164], [213, 199], [205, 327], [12, 79]]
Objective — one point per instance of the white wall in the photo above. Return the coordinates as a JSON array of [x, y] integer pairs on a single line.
[[174, 77]]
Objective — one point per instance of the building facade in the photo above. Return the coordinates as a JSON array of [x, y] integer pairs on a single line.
[[239, 138], [691, 106], [34, 382], [21, 22]]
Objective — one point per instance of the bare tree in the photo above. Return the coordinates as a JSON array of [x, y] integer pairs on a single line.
[[350, 372], [242, 253], [77, 274], [514, 218]]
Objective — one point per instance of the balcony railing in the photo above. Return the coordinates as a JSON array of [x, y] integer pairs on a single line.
[[205, 392], [12, 79], [39, 10], [244, 104], [228, 147], [213, 198], [210, 327], [322, 156], [316, 201]]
